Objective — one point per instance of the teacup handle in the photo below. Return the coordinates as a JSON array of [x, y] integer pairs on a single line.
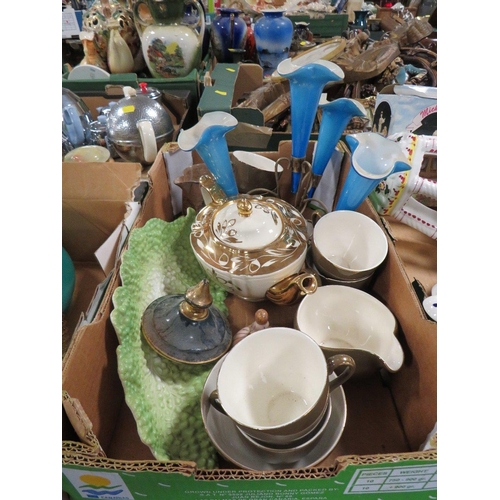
[[215, 401], [338, 361]]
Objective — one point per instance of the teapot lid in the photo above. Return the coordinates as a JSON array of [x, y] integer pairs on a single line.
[[249, 235], [150, 92], [248, 223]]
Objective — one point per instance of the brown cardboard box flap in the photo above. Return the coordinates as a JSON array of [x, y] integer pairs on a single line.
[[94, 203]]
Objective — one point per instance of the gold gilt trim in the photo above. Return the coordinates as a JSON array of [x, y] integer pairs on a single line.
[[212, 246]]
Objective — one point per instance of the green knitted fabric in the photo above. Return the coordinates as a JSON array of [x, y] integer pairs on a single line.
[[164, 396]]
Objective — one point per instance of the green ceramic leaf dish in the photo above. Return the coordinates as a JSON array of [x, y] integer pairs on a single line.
[[163, 396]]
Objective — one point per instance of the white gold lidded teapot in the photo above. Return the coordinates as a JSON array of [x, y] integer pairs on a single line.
[[250, 243]]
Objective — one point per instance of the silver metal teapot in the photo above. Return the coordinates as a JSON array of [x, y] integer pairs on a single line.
[[138, 126]]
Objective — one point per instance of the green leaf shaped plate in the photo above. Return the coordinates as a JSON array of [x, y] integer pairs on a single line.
[[164, 396]]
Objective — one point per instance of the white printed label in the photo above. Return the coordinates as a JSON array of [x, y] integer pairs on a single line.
[[412, 478]]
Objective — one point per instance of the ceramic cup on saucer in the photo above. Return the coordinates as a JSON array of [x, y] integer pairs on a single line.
[[348, 245], [278, 454], [275, 385], [241, 450]]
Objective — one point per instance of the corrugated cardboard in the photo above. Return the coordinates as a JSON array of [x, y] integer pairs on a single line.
[[94, 204], [388, 417]]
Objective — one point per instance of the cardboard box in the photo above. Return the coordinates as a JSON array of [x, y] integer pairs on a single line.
[[232, 83], [388, 418], [323, 25], [97, 204], [189, 82]]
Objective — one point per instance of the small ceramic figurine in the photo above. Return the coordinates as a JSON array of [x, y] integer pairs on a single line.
[[261, 322], [91, 56], [120, 58]]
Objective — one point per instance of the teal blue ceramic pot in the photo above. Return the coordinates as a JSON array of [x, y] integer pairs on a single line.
[[68, 280]]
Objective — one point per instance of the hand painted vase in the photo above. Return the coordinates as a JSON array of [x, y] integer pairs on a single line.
[[97, 19], [171, 48], [191, 16], [306, 85], [207, 137], [373, 159], [229, 31], [394, 195], [273, 38]]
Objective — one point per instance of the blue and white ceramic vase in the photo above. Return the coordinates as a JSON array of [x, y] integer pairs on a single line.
[[228, 31], [273, 38]]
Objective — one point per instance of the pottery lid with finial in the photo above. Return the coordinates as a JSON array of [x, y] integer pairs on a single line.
[[187, 328]]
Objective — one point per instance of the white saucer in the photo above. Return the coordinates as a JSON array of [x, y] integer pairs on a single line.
[[233, 446], [88, 72]]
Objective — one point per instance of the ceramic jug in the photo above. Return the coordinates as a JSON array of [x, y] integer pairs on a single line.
[[171, 47]]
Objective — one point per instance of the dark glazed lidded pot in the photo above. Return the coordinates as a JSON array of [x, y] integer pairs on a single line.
[[187, 328]]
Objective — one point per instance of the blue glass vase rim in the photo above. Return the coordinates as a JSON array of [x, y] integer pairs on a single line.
[[396, 162], [208, 124], [288, 68]]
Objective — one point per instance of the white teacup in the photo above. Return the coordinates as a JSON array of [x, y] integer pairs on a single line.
[[347, 245], [275, 384]]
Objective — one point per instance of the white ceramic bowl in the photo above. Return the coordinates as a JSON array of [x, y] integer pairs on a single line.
[[346, 320], [89, 153], [348, 245]]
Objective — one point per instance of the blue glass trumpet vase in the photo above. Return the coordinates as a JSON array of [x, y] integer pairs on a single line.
[[373, 159], [336, 115], [207, 137], [307, 82]]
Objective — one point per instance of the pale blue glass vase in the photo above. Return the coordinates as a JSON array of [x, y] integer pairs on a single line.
[[207, 137], [335, 117], [307, 82], [373, 159]]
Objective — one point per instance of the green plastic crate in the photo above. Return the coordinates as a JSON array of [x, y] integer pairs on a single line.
[[323, 25]]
